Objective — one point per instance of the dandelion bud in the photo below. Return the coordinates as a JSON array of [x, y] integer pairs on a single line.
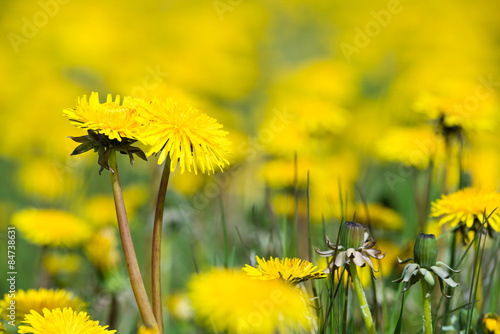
[[352, 235], [425, 250]]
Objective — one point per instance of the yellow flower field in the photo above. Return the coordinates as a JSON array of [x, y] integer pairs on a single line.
[[234, 166]]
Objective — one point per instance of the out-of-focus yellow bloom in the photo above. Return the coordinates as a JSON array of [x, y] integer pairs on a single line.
[[102, 250], [492, 323], [59, 321], [114, 119], [56, 263], [325, 175], [147, 330], [187, 135], [380, 216], [464, 110], [37, 300], [49, 227], [483, 164], [44, 179], [188, 184], [232, 301], [179, 306], [100, 211], [413, 146], [290, 270], [467, 206], [392, 252], [280, 173], [134, 196]]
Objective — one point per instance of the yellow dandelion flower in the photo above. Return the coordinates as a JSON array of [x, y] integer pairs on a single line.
[[467, 206], [231, 301], [492, 323], [37, 300], [50, 227], [102, 250], [64, 321], [116, 119], [291, 270], [56, 263], [188, 135], [412, 146], [147, 330]]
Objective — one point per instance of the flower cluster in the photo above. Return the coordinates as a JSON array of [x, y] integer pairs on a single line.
[[181, 132]]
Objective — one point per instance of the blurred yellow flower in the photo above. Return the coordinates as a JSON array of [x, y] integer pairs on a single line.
[[379, 216], [492, 323], [100, 211], [189, 136], [461, 109], [102, 250], [50, 227], [179, 306], [56, 263], [412, 146], [290, 270], [114, 119], [467, 206], [66, 321], [231, 301], [37, 300], [43, 178], [280, 173]]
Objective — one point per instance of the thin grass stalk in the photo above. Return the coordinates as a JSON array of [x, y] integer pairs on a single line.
[[224, 233], [133, 269]]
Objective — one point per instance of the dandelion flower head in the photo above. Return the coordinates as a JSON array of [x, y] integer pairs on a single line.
[[59, 321], [187, 135], [467, 206], [291, 270], [116, 119], [37, 300], [49, 227]]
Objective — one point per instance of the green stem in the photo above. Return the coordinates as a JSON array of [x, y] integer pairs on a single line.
[[426, 309], [134, 272], [363, 304], [156, 252]]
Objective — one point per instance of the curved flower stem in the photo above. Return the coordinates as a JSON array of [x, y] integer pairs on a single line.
[[156, 252], [426, 309], [134, 272], [363, 304]]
